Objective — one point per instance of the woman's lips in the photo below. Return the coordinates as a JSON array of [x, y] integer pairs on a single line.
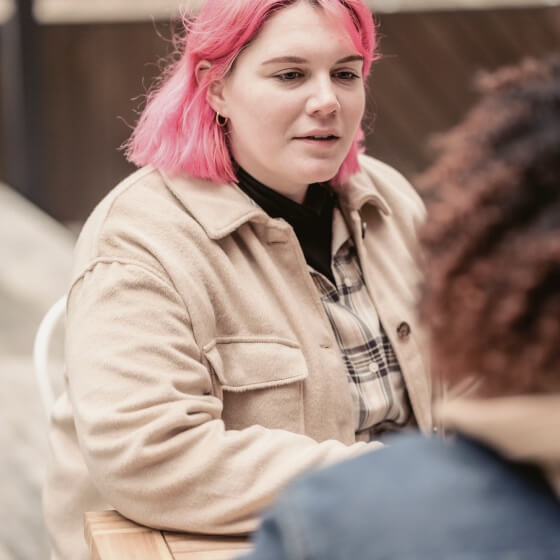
[[319, 140]]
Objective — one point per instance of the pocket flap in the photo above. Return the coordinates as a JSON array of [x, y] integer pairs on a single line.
[[243, 364]]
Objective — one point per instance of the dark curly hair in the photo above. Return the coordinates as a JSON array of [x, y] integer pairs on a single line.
[[492, 239]]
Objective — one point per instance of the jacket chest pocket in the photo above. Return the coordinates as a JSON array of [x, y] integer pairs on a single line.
[[260, 381]]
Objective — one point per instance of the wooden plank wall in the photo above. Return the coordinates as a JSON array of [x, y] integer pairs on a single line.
[[92, 76], [423, 83]]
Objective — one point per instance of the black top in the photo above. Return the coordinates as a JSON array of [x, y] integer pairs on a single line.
[[311, 220]]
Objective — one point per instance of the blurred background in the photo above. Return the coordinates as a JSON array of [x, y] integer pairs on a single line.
[[73, 74]]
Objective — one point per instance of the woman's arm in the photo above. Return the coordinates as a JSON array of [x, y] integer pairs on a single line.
[[147, 418]]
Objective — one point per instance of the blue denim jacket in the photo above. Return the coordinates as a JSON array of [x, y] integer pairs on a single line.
[[416, 499]]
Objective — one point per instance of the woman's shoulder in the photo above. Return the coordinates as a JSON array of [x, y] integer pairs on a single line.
[[142, 192], [134, 222]]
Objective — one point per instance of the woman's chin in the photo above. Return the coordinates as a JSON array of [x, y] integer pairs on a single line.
[[319, 174]]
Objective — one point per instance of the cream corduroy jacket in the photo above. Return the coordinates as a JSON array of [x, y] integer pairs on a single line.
[[202, 371]]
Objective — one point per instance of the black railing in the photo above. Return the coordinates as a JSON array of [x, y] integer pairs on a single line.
[[21, 119]]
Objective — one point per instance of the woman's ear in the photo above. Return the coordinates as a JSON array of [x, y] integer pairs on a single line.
[[214, 93], [200, 71], [215, 96]]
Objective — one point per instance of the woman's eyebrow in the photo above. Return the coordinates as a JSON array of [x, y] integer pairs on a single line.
[[351, 58], [299, 60], [295, 59]]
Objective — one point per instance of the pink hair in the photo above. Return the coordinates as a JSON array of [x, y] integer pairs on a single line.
[[177, 130]]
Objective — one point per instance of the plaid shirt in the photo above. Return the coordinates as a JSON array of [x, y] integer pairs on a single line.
[[378, 390]]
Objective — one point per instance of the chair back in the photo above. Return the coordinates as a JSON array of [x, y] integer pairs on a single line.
[[42, 353]]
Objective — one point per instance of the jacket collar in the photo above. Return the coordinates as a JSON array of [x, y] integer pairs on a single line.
[[222, 208], [359, 191]]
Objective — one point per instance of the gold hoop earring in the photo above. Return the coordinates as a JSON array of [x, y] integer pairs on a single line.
[[221, 121]]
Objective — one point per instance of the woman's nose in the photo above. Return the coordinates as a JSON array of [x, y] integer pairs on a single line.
[[323, 100]]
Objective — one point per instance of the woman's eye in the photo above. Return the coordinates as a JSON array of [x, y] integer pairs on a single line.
[[289, 76], [346, 75]]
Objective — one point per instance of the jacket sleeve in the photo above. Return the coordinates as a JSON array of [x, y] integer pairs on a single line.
[[148, 423]]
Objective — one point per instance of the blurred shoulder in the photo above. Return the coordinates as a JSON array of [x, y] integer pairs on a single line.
[[418, 498]]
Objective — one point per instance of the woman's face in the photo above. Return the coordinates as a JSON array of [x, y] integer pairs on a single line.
[[294, 100]]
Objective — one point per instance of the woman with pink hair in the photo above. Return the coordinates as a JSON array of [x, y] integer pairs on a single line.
[[242, 307]]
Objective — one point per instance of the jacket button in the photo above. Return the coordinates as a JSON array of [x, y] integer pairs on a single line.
[[403, 330]]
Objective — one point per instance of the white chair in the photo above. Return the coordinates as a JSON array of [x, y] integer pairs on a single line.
[[41, 351]]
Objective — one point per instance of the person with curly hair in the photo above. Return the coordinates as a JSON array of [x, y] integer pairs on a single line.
[[492, 302]]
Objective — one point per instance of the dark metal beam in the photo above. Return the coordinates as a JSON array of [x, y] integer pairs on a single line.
[[21, 102]]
